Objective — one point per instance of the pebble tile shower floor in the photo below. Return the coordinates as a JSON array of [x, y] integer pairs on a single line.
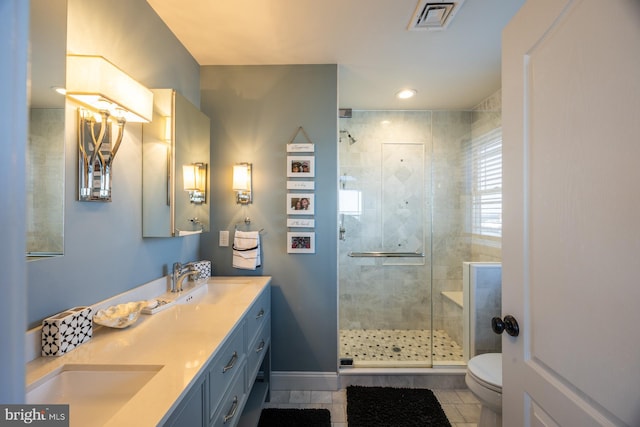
[[393, 345]]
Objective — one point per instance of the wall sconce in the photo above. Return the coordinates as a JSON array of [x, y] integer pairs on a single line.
[[242, 183], [111, 98], [194, 178]]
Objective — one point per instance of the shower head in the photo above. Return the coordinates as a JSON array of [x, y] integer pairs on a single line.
[[352, 140]]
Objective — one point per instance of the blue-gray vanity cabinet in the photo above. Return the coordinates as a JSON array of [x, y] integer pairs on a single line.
[[235, 383]]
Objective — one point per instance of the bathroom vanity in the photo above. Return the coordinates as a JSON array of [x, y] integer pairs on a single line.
[[206, 361]]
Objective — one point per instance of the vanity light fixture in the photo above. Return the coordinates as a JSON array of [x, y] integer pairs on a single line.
[[194, 179], [242, 183], [100, 85], [111, 97]]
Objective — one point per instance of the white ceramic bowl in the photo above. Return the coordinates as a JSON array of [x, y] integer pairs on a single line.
[[119, 316]]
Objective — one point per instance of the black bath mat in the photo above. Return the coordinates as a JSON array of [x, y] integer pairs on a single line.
[[276, 417], [397, 407]]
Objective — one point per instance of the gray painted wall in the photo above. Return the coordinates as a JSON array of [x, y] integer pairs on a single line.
[[254, 112], [105, 253]]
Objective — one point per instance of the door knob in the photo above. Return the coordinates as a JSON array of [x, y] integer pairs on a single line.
[[509, 324]]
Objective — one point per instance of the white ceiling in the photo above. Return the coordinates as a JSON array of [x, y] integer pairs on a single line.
[[368, 39]]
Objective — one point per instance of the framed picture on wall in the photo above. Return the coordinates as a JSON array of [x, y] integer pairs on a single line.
[[300, 204], [300, 166], [301, 242]]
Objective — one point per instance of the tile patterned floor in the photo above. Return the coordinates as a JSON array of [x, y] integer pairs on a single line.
[[393, 345], [460, 406]]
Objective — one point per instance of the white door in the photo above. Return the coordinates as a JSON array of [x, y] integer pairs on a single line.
[[571, 247]]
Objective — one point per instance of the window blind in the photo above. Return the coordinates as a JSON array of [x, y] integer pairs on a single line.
[[486, 152]]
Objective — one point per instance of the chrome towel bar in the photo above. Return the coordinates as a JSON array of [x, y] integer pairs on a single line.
[[386, 254]]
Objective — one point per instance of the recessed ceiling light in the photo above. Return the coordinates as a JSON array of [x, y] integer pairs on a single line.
[[406, 93]]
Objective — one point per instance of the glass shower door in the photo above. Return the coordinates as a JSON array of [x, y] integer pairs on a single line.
[[385, 291], [407, 182]]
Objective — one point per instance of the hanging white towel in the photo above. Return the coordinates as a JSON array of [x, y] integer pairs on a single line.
[[246, 250]]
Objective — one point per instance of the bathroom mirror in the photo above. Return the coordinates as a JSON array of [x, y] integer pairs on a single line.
[[45, 144], [178, 136]]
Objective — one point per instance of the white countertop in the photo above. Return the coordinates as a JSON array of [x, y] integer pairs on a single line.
[[182, 338]]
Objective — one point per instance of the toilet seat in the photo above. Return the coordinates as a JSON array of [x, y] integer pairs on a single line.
[[486, 369]]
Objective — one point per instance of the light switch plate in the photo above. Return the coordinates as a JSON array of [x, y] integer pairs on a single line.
[[224, 238]]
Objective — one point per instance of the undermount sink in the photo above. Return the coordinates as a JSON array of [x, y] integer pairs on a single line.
[[206, 293], [94, 392], [211, 293]]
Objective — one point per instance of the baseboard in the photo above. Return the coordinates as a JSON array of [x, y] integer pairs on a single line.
[[317, 381], [393, 377], [432, 378]]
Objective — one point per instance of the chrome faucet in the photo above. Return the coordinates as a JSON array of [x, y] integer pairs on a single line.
[[178, 275]]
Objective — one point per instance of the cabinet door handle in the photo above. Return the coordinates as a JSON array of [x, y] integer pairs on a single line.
[[232, 362], [232, 411], [260, 313], [260, 347]]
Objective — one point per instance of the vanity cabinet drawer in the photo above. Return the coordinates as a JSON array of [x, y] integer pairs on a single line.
[[230, 409], [257, 350], [224, 367], [258, 313]]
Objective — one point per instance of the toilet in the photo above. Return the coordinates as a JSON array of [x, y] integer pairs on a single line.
[[484, 379]]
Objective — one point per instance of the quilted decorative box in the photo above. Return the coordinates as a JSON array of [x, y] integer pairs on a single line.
[[65, 331], [204, 267], [84, 328]]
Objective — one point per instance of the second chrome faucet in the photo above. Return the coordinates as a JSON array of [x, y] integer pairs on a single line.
[[181, 272]]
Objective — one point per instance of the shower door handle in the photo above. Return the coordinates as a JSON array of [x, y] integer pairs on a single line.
[[375, 254], [509, 324]]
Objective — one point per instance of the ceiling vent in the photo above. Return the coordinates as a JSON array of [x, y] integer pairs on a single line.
[[434, 15]]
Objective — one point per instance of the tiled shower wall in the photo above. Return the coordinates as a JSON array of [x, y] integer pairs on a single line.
[[385, 293]]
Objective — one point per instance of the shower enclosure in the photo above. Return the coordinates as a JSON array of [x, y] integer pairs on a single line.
[[406, 227]]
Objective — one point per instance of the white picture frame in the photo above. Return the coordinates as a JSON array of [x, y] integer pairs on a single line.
[[300, 166], [301, 242], [300, 204], [301, 223], [301, 185]]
